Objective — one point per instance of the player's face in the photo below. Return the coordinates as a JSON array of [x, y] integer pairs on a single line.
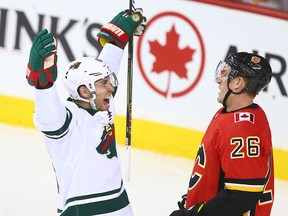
[[104, 90], [221, 76]]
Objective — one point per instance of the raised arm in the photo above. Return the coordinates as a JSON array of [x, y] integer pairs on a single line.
[[41, 73]]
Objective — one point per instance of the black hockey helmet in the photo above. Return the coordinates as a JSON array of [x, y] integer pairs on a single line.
[[254, 67]]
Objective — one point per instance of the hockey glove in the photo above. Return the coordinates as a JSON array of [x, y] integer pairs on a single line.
[[193, 211], [122, 27], [182, 203], [42, 67]]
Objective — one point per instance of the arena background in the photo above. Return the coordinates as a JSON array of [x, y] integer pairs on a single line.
[[171, 107]]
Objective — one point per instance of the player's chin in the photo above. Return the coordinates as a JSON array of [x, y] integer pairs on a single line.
[[219, 99]]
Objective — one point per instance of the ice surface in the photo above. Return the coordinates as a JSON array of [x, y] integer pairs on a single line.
[[28, 185]]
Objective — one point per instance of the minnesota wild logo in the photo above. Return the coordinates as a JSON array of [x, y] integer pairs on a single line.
[[75, 65], [107, 145]]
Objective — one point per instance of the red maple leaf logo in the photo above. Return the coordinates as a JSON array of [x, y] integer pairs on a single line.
[[170, 57], [244, 116]]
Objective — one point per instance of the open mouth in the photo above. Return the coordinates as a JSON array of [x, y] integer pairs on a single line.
[[106, 102]]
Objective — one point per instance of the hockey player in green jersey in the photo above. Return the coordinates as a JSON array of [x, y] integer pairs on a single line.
[[79, 133], [233, 174]]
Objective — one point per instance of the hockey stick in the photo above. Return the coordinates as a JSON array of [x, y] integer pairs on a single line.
[[129, 97]]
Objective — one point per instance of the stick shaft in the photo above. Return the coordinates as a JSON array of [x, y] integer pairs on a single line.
[[129, 81], [129, 95]]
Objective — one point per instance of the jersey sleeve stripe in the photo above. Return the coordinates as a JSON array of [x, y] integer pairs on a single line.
[[63, 130], [244, 187], [256, 181]]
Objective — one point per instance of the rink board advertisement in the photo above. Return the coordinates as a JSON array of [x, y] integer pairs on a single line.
[[174, 91]]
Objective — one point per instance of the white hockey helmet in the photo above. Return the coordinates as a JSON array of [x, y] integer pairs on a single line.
[[85, 71]]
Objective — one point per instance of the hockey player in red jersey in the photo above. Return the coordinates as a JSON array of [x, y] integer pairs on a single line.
[[79, 133], [233, 171]]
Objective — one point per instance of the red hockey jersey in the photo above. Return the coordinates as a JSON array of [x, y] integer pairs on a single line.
[[233, 171]]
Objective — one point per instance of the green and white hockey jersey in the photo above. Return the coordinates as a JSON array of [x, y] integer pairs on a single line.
[[83, 150]]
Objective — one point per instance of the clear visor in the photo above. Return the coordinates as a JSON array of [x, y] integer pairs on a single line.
[[220, 72], [113, 80]]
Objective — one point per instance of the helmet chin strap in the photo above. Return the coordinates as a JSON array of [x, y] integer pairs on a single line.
[[228, 93], [91, 101], [226, 97]]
